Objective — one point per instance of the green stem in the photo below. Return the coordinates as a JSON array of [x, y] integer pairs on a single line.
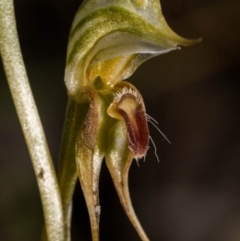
[[67, 173], [30, 122]]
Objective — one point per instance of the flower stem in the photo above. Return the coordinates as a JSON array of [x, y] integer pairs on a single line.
[[30, 122], [67, 173]]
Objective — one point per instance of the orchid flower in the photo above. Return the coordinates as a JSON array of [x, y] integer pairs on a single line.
[[106, 116]]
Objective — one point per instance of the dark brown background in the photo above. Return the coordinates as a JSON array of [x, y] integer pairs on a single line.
[[193, 194]]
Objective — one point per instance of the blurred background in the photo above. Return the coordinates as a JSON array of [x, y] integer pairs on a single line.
[[193, 194]]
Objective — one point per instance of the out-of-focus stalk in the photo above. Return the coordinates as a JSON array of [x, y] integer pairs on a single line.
[[30, 122]]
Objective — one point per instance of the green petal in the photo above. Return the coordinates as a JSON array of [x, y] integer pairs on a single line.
[[119, 158], [121, 33], [89, 157]]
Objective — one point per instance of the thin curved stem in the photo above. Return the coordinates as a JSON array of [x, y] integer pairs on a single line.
[[67, 174], [30, 122]]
